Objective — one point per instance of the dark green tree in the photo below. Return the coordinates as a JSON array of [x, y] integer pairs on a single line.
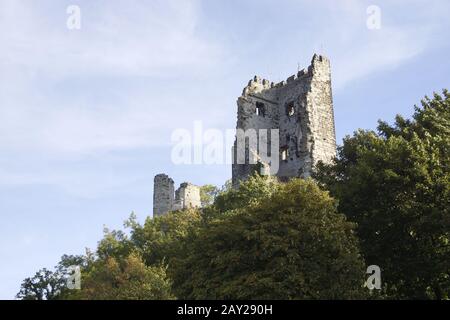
[[273, 241], [158, 240], [395, 184], [44, 285], [52, 285]]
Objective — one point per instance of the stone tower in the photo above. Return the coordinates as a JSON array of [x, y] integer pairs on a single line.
[[166, 199], [301, 108], [163, 194]]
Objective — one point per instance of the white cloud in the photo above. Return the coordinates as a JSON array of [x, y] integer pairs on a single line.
[[408, 29], [388, 49], [159, 40], [123, 39], [120, 37]]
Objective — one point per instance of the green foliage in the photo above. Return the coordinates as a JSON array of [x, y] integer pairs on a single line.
[[266, 240], [208, 193], [127, 279], [158, 240], [115, 244], [251, 192], [396, 186], [282, 241], [44, 285], [51, 285]]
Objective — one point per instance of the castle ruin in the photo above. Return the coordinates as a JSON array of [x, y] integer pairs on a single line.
[[300, 108], [166, 198]]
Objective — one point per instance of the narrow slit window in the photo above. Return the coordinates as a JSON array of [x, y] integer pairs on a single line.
[[290, 109], [260, 109], [284, 153]]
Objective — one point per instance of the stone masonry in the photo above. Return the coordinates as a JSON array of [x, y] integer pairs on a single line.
[[166, 199], [301, 108]]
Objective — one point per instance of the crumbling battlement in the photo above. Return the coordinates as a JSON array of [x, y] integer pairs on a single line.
[[166, 199], [301, 108], [187, 196]]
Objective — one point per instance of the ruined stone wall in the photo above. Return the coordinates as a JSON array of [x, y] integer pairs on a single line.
[[163, 194], [166, 199], [302, 109], [320, 103], [187, 196], [257, 93]]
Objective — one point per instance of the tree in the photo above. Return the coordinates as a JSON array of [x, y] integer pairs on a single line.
[[158, 240], [251, 192], [208, 193], [44, 285], [52, 285], [127, 279], [289, 244], [115, 243], [395, 184]]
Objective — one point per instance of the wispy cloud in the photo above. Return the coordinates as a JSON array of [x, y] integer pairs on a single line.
[[126, 39], [408, 29], [158, 41], [120, 37]]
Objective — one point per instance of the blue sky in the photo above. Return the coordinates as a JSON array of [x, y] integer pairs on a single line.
[[86, 115]]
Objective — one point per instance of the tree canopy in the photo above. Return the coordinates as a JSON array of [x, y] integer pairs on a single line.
[[395, 184], [290, 244]]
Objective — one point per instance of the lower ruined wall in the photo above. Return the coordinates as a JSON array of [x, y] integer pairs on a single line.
[[187, 196], [166, 199]]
